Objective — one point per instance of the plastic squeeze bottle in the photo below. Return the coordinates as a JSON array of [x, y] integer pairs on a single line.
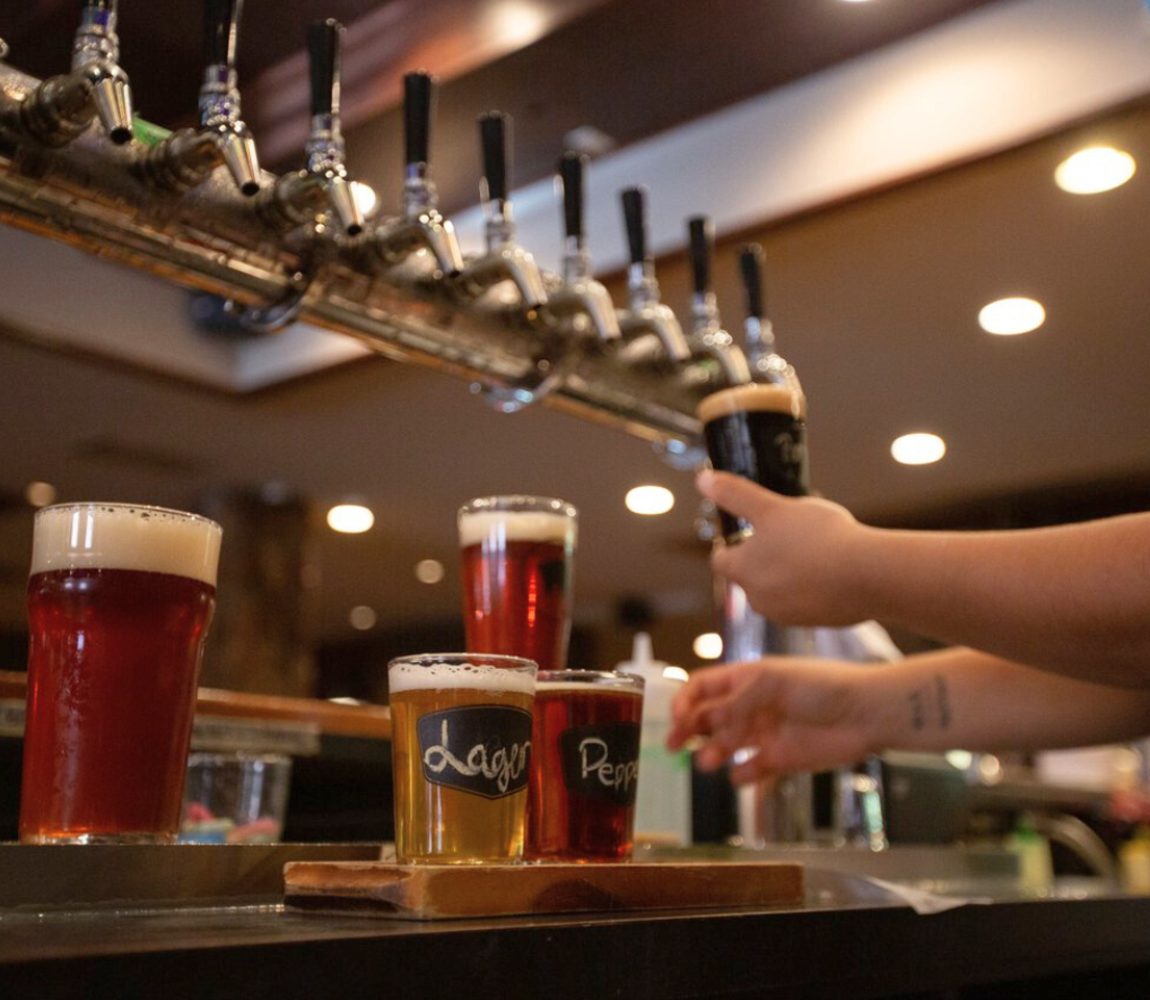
[[663, 806]]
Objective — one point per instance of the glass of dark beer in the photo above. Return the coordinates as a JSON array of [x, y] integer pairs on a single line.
[[584, 766], [757, 431], [518, 560], [461, 748], [119, 602]]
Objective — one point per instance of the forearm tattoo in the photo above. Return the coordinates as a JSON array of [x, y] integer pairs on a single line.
[[930, 705]]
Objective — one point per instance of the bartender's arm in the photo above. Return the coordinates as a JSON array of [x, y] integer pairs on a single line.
[[806, 714], [1074, 600]]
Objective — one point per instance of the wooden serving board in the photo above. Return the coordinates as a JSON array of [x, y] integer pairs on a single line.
[[442, 892]]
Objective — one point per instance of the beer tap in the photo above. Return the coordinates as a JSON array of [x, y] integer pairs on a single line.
[[188, 157], [709, 342], [421, 224], [504, 260], [646, 314], [765, 363], [296, 198], [581, 296], [62, 107]]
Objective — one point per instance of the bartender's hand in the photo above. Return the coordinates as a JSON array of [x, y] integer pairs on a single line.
[[804, 565], [798, 714]]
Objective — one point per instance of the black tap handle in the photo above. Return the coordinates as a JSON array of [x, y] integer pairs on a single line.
[[221, 26], [571, 176], [702, 250], [105, 5], [751, 266], [494, 136], [418, 96], [323, 42], [635, 219]]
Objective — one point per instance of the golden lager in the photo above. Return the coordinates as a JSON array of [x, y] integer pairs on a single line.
[[461, 749]]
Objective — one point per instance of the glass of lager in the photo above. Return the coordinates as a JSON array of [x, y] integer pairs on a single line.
[[119, 602], [584, 765], [757, 431], [461, 746], [518, 560]]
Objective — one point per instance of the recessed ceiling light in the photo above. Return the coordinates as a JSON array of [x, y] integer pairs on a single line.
[[1008, 317], [708, 646], [1094, 170], [40, 494], [649, 500], [918, 449], [362, 617], [350, 519], [429, 571]]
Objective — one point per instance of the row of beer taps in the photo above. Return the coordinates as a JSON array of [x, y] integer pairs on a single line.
[[321, 198]]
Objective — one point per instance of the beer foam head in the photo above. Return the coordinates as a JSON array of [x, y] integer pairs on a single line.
[[753, 398], [517, 519], [607, 681], [431, 672], [123, 536]]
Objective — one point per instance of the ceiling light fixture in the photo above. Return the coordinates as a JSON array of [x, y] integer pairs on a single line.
[[362, 617], [1008, 317], [1094, 170], [708, 646], [649, 500], [429, 571], [350, 519], [917, 449]]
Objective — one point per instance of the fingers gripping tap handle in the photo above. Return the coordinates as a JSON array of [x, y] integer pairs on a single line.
[[635, 219], [221, 27], [702, 232], [418, 94], [751, 268], [571, 176], [493, 137], [324, 40]]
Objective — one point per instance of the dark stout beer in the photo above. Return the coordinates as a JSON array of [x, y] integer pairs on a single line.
[[517, 555], [759, 432], [461, 748], [119, 603], [584, 766]]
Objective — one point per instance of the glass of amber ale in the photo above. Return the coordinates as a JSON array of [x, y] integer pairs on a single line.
[[461, 747], [119, 602], [518, 561], [584, 766]]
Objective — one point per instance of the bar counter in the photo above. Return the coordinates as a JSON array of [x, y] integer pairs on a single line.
[[852, 938]]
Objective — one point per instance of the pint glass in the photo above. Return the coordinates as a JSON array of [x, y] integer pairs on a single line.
[[757, 431], [518, 554], [584, 766], [461, 746], [119, 602]]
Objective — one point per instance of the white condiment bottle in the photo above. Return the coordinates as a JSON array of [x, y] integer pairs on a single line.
[[663, 808]]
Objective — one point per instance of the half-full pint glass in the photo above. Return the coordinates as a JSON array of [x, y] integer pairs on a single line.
[[757, 431], [518, 560], [584, 766], [461, 746], [119, 602]]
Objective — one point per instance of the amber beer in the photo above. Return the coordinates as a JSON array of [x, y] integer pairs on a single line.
[[119, 602], [584, 766], [518, 558], [757, 431], [461, 748]]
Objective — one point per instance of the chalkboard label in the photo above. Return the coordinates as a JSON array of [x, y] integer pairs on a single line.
[[480, 749], [602, 762]]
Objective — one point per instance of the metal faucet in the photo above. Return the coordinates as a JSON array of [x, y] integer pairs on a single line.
[[581, 298], [710, 344], [187, 157], [296, 198], [62, 107], [504, 260], [767, 366], [646, 314], [422, 226]]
